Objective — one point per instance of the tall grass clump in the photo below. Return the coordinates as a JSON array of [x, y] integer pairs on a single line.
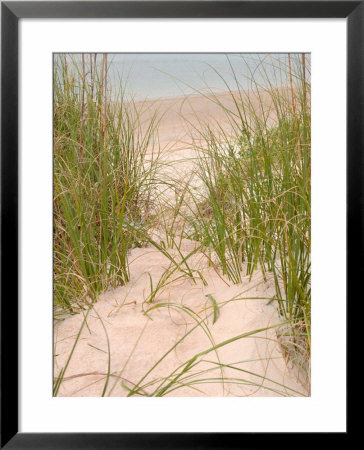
[[254, 209], [104, 172]]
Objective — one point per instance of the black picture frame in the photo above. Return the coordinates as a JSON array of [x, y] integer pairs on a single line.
[[11, 12]]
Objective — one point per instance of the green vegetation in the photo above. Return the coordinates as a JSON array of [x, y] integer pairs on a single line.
[[103, 177], [255, 211]]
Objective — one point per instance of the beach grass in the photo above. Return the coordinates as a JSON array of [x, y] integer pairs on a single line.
[[255, 209], [103, 177]]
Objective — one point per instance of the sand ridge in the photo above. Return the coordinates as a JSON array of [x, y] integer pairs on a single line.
[[137, 341], [120, 332]]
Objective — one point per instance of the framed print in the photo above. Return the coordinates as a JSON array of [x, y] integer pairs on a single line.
[[174, 189]]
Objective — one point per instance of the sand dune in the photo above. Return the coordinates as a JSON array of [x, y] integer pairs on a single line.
[[138, 341], [250, 366]]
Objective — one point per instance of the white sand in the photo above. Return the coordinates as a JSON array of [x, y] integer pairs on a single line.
[[138, 341]]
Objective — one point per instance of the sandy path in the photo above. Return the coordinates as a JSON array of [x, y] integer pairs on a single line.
[[120, 311], [253, 365]]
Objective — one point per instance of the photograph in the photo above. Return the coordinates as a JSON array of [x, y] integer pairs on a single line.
[[181, 224], [172, 192]]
